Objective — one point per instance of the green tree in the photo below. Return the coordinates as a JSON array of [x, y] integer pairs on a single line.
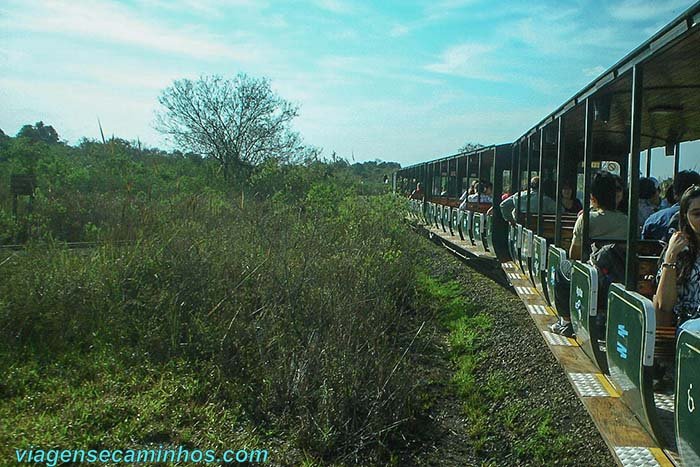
[[39, 133], [4, 140], [240, 122]]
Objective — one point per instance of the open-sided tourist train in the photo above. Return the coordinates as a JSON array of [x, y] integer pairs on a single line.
[[641, 113]]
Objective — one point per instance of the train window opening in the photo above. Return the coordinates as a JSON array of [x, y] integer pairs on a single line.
[[524, 180], [689, 155], [486, 177], [533, 172], [507, 181], [472, 171], [462, 174], [570, 170], [548, 180]]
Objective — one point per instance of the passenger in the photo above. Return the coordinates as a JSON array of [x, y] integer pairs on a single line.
[[677, 298], [620, 194], [668, 199], [418, 192], [520, 200], [648, 193], [658, 224], [570, 204], [472, 187], [483, 194], [605, 222], [656, 199]]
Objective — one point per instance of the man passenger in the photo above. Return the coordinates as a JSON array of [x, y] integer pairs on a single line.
[[520, 199], [657, 225]]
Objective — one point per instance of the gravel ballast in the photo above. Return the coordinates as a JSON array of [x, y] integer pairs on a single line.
[[515, 351]]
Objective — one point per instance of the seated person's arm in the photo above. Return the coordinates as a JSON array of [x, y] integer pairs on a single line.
[[667, 293], [575, 249], [645, 230], [576, 241]]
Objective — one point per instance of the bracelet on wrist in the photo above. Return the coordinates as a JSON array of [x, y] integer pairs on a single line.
[[672, 265]]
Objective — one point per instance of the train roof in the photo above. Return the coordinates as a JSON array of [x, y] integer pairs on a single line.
[[646, 51]]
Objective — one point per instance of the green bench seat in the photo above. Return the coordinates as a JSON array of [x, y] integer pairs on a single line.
[[687, 403], [445, 218], [539, 265], [488, 232], [454, 221], [630, 340], [583, 303], [555, 256]]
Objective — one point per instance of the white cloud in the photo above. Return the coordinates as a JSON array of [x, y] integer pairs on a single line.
[[73, 118], [563, 34], [335, 6], [399, 30], [124, 75], [469, 60], [443, 8], [594, 71], [206, 8], [111, 22], [642, 10], [355, 68]]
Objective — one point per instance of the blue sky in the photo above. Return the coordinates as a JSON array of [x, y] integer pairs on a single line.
[[397, 80]]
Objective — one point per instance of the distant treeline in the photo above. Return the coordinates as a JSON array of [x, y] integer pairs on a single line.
[[96, 188]]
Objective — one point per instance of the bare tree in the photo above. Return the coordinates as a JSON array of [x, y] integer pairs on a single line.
[[469, 147], [239, 122]]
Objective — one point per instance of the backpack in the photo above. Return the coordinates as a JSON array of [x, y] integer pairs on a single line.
[[610, 262]]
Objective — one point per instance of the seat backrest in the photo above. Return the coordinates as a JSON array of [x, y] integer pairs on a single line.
[[477, 229], [539, 253], [446, 210], [687, 406], [630, 338], [455, 217], [527, 243], [555, 256], [583, 303]]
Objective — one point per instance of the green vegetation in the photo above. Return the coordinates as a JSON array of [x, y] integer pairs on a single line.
[[494, 415], [285, 310], [272, 314]]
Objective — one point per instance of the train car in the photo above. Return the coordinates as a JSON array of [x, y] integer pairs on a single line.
[[444, 181], [636, 118]]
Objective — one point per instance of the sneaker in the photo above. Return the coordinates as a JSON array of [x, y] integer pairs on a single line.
[[562, 328]]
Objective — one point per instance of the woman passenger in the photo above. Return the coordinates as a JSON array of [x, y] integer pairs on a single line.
[[677, 298], [620, 194], [569, 202]]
